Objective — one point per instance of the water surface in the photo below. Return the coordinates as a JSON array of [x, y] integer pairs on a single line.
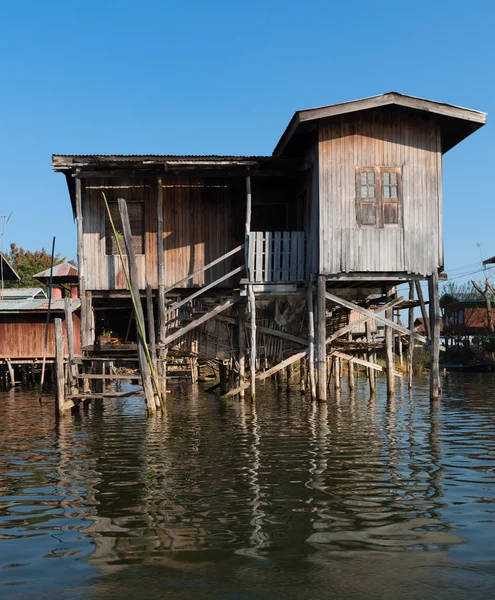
[[361, 498]]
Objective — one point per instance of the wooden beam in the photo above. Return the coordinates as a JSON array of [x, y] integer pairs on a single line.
[[209, 315], [359, 361], [351, 326], [268, 373], [205, 268], [372, 315], [424, 314], [203, 289]]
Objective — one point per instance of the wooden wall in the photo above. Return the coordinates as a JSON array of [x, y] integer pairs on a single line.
[[385, 138], [22, 335], [203, 218]]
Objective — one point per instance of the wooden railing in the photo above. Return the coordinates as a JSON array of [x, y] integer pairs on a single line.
[[277, 256]]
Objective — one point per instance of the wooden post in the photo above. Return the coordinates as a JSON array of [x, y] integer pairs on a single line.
[[311, 341], [222, 368], [251, 296], [321, 326], [72, 370], [241, 332], [350, 367], [59, 366], [151, 322], [410, 347], [424, 314], [302, 375], [11, 372], [390, 353], [81, 267], [144, 366], [435, 337], [162, 308], [369, 357], [336, 368], [399, 340]]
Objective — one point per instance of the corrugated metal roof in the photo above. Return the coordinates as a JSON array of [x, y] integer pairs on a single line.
[[61, 270], [7, 306], [24, 293]]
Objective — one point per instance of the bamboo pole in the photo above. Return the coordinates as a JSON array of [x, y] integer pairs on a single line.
[[145, 361]]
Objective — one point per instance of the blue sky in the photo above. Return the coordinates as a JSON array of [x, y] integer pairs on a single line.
[[225, 77]]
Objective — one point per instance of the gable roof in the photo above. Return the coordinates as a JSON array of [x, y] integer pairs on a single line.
[[24, 293], [62, 273], [457, 123], [9, 273]]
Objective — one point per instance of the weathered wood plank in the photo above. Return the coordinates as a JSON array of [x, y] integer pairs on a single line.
[[190, 326]]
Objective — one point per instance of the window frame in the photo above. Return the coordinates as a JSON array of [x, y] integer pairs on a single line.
[[379, 201], [107, 222]]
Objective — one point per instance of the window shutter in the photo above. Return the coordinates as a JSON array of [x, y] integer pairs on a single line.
[[391, 185], [366, 193]]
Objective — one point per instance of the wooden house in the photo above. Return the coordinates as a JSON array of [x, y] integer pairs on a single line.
[[348, 206], [465, 314]]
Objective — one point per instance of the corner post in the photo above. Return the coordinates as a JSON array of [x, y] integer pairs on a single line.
[[435, 337], [311, 341], [251, 296], [162, 320], [321, 326]]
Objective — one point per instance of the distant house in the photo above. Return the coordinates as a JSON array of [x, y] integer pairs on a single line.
[[465, 314], [23, 314]]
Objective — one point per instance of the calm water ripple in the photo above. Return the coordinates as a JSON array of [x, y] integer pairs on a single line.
[[359, 498]]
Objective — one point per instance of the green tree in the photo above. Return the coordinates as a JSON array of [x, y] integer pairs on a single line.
[[28, 262]]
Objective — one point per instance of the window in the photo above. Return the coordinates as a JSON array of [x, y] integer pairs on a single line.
[[136, 220], [379, 196]]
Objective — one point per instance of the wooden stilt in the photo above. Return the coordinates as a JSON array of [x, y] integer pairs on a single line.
[[222, 367], [371, 372], [302, 375], [11, 372], [390, 353], [424, 314], [72, 370], [435, 337], [162, 308], [410, 347], [59, 366], [336, 368], [311, 342], [350, 367], [321, 339], [242, 346], [251, 296]]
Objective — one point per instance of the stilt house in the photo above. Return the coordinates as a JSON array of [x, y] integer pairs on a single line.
[[348, 206]]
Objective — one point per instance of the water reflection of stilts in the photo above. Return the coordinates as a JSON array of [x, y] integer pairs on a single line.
[[258, 540]]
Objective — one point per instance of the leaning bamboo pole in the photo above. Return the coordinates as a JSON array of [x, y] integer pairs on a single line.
[[139, 321]]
